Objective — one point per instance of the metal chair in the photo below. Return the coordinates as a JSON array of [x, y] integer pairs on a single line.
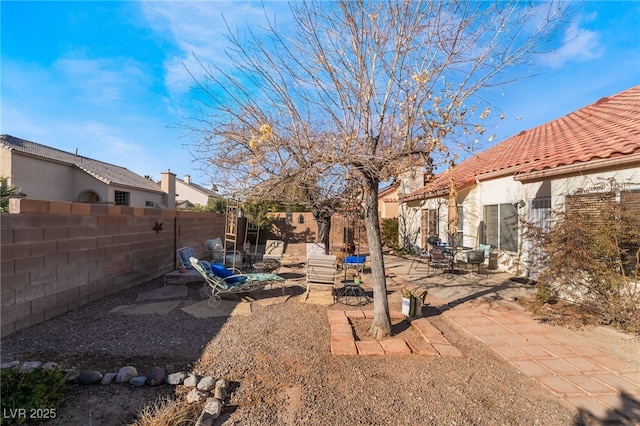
[[476, 257], [440, 258]]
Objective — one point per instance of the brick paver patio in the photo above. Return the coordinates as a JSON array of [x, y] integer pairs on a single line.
[[583, 377]]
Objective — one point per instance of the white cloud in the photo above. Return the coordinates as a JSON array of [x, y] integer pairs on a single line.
[[100, 80], [199, 28], [578, 45]]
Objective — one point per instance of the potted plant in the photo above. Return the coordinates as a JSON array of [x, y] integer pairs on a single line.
[[412, 302]]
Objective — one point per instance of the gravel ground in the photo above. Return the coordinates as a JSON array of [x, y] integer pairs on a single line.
[[281, 370]]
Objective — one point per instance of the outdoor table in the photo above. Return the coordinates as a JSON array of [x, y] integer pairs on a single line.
[[455, 251]]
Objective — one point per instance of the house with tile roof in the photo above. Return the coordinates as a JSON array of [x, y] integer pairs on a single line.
[[526, 176], [45, 173]]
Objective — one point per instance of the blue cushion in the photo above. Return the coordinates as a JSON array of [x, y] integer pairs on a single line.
[[222, 272], [486, 248], [355, 259]]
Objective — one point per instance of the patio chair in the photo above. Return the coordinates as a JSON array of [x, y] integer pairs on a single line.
[[476, 257], [184, 254], [439, 258], [221, 280], [356, 262], [321, 270], [423, 255]]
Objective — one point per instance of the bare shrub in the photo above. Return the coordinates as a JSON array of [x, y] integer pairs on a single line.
[[590, 255]]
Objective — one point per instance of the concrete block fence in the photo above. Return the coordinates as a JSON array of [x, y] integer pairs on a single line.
[[56, 256]]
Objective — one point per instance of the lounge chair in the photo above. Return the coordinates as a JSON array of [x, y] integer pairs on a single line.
[[220, 280]]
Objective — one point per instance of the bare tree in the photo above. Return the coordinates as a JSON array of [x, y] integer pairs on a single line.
[[363, 89]]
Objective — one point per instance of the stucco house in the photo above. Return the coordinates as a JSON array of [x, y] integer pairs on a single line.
[[190, 194], [526, 176], [45, 173]]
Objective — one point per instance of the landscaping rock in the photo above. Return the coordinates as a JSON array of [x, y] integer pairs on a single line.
[[29, 366], [191, 381], [71, 373], [206, 383], [210, 412], [108, 378], [175, 378], [7, 365], [51, 366], [89, 377], [125, 374], [220, 393], [138, 381], [196, 396], [155, 376]]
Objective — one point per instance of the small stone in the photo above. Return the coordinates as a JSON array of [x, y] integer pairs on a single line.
[[89, 377], [195, 395], [191, 381], [29, 366], [125, 374], [51, 366], [220, 393], [210, 412], [7, 365], [175, 378], [108, 378], [71, 373], [222, 383], [155, 376], [206, 383], [138, 381]]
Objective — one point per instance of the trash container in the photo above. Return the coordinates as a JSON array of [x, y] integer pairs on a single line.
[[493, 261]]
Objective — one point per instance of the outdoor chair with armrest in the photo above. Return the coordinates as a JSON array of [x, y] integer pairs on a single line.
[[476, 257], [439, 258]]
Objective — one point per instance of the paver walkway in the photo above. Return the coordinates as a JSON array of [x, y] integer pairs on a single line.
[[586, 378]]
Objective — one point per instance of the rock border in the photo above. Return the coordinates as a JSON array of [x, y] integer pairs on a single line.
[[213, 392]]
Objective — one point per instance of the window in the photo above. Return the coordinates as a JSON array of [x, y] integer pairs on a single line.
[[149, 204], [300, 219], [501, 226], [121, 198], [540, 212]]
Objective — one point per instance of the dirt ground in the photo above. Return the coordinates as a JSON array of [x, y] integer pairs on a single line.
[[281, 370]]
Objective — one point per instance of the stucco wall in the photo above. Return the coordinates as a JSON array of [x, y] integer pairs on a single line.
[[27, 173], [56, 256], [185, 192]]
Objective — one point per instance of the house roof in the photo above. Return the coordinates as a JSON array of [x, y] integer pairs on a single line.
[[105, 172], [199, 188], [606, 129]]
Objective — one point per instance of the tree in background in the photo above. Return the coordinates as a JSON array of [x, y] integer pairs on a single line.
[[6, 192], [361, 90]]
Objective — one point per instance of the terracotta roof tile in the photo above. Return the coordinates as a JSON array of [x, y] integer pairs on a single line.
[[608, 128]]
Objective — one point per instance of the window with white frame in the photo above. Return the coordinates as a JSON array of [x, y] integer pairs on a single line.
[[501, 226], [539, 213]]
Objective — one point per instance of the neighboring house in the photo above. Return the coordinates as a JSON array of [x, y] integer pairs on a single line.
[[189, 194], [45, 173], [526, 176], [388, 202]]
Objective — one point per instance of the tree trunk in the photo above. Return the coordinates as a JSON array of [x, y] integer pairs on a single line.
[[381, 326], [323, 219]]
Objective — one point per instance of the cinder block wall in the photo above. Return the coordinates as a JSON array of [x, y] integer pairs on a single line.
[[56, 256]]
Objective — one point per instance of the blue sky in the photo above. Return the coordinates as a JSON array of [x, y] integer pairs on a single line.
[[109, 78]]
